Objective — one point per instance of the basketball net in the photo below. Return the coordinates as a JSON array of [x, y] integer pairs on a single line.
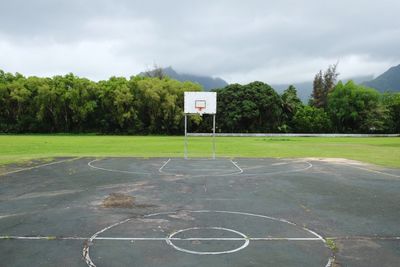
[[200, 110]]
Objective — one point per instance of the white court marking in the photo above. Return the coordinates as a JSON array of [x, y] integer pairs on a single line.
[[240, 171], [237, 166], [160, 169], [375, 171], [170, 238], [38, 166], [90, 164], [10, 237], [282, 172], [201, 175], [244, 238]]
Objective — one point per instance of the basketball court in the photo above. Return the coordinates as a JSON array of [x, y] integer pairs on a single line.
[[197, 212]]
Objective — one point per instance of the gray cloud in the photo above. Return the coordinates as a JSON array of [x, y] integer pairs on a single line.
[[241, 41]]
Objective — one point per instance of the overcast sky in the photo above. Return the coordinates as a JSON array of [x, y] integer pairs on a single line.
[[240, 41]]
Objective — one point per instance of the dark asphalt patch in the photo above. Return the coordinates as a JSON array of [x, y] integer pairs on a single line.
[[118, 200]]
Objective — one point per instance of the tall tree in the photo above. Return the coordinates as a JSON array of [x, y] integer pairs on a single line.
[[290, 104], [318, 91], [392, 102], [254, 107], [49, 105], [323, 84], [330, 78], [355, 108], [156, 72]]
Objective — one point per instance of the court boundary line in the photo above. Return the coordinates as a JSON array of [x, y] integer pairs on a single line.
[[200, 175], [113, 170], [165, 163], [371, 170], [240, 171], [237, 166], [340, 238], [12, 237], [283, 172], [39, 166]]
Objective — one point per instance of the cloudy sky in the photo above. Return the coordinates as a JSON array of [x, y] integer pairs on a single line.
[[241, 41]]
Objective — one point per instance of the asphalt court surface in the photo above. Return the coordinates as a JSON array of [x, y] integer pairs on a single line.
[[200, 212]]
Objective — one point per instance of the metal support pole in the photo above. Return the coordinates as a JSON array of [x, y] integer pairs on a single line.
[[185, 145], [213, 138]]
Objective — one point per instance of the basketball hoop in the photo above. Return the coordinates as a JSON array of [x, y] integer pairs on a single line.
[[200, 105]]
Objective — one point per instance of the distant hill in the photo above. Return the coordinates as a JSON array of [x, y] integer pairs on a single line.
[[304, 89], [389, 81], [207, 82]]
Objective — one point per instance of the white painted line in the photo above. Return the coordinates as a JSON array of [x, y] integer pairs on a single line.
[[237, 166], [281, 172], [284, 239], [221, 199], [86, 247], [330, 262], [11, 237], [132, 238], [279, 163], [208, 238], [245, 239], [195, 238], [375, 171], [203, 169], [365, 238], [39, 166], [165, 163], [2, 216], [90, 164]]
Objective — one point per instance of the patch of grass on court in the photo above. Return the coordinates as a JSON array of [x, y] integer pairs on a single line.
[[20, 148], [332, 245]]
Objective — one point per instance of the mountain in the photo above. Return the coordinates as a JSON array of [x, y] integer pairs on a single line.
[[304, 89], [389, 81], [207, 82]]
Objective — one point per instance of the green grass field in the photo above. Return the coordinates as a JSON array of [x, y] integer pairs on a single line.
[[20, 148]]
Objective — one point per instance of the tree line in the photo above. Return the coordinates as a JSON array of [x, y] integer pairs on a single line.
[[154, 105]]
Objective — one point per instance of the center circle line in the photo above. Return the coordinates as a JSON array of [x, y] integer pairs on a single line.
[[244, 238]]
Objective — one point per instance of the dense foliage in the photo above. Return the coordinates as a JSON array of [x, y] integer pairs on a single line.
[[249, 108], [354, 108], [72, 104], [154, 105]]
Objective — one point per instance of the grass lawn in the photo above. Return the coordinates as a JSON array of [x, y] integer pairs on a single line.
[[20, 148]]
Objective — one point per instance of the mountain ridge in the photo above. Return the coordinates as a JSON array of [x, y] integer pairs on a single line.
[[389, 81], [207, 82]]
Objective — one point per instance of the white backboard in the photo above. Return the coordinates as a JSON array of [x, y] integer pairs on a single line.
[[200, 103]]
